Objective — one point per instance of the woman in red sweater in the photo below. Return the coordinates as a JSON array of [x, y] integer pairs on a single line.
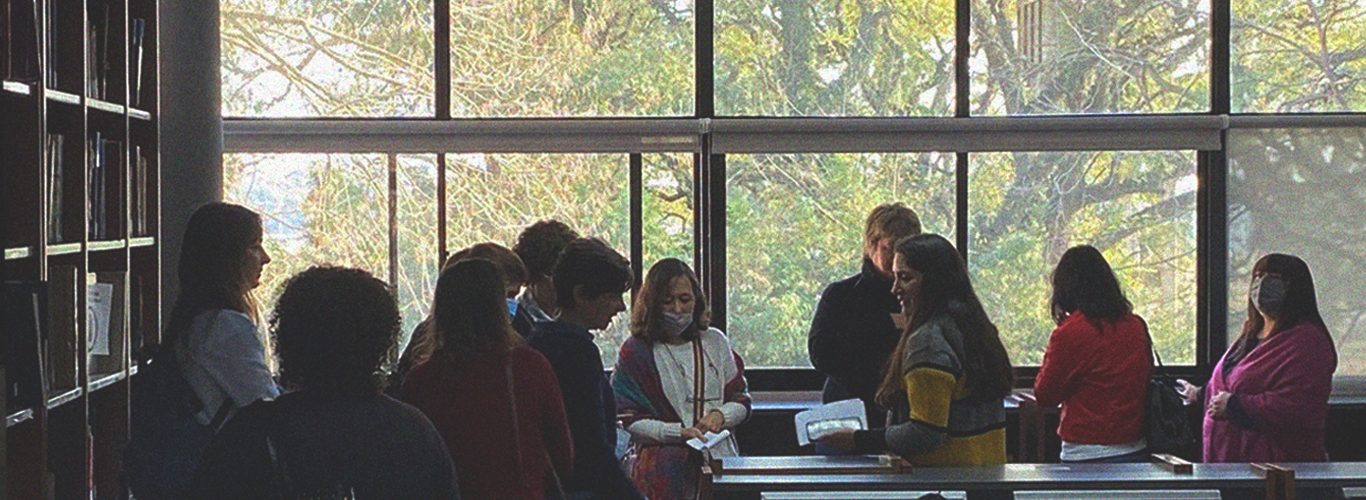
[[493, 399], [1097, 363]]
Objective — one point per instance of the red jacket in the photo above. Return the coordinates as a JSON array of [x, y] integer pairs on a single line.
[[469, 405], [1100, 377]]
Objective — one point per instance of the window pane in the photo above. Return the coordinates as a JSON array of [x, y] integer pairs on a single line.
[[316, 209], [308, 59], [492, 197], [794, 224], [1294, 56], [418, 259], [571, 58], [667, 209], [1137, 208], [832, 58], [1301, 192], [1033, 57]]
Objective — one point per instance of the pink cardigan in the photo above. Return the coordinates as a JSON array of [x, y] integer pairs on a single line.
[[1281, 388]]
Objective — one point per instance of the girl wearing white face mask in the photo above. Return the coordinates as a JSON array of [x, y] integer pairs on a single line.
[[1267, 399], [670, 355]]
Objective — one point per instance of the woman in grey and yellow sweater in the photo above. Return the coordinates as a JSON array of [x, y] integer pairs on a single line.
[[947, 380]]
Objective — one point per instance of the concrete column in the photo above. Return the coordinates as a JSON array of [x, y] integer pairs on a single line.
[[191, 125]]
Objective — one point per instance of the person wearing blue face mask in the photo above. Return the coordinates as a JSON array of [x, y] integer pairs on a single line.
[[656, 383], [1267, 399], [514, 276]]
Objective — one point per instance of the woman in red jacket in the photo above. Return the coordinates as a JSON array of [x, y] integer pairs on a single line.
[[493, 399], [1097, 363]]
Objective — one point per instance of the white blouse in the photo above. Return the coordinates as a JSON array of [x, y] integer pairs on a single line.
[[222, 358], [675, 365]]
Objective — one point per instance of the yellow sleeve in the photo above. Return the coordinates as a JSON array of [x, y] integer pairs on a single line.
[[929, 392]]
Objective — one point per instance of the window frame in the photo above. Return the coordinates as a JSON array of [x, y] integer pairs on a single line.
[[709, 138]]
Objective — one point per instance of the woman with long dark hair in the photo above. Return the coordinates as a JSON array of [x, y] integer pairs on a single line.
[[657, 378], [213, 325], [494, 400], [211, 342], [946, 382], [1097, 362], [1267, 399]]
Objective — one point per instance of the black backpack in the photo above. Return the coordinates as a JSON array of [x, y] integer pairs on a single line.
[[166, 440]]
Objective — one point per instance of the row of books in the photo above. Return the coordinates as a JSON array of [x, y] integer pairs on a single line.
[[104, 176], [41, 354], [100, 55], [18, 40]]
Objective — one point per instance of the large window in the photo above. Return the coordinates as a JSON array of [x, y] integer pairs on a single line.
[[832, 58], [1076, 56], [1303, 192], [751, 137], [334, 209], [796, 225], [1137, 208], [332, 58], [1295, 56]]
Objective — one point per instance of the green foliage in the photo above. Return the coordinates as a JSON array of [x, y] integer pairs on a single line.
[[793, 221]]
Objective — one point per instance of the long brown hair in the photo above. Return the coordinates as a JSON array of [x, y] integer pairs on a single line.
[[647, 311], [945, 290], [469, 314], [1084, 281], [212, 256], [1300, 304]]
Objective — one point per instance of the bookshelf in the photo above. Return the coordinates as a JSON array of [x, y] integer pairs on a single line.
[[80, 227]]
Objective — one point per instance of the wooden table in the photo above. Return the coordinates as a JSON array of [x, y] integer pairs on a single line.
[[747, 477]]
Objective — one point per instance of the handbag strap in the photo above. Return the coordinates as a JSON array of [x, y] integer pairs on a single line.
[[516, 425], [699, 385], [1161, 370]]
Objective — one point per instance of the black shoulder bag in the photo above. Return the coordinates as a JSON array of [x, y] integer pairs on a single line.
[[1167, 422]]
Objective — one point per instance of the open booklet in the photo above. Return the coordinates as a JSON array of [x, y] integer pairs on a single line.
[[709, 440], [817, 422]]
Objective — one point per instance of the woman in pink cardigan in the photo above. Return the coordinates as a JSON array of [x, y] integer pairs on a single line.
[[1267, 399]]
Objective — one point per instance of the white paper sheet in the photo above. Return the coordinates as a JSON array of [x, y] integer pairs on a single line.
[[712, 438], [819, 421], [99, 302]]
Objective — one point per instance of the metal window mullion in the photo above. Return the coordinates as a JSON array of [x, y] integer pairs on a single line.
[[637, 223], [704, 98], [441, 24], [1212, 203], [393, 220], [441, 208], [1212, 239], [962, 50], [715, 238], [1220, 56], [961, 220]]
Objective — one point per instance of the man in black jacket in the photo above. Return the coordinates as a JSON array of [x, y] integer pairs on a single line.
[[858, 321]]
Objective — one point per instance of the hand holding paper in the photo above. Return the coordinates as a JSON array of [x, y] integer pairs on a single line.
[[709, 440], [817, 422]]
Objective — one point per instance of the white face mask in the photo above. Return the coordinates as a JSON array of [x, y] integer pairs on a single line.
[[1268, 294], [674, 324]]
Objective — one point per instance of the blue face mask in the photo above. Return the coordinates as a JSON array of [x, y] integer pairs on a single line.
[[512, 308], [674, 324]]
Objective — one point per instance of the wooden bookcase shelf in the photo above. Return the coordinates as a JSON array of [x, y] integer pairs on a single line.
[[81, 227], [18, 417], [18, 253]]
